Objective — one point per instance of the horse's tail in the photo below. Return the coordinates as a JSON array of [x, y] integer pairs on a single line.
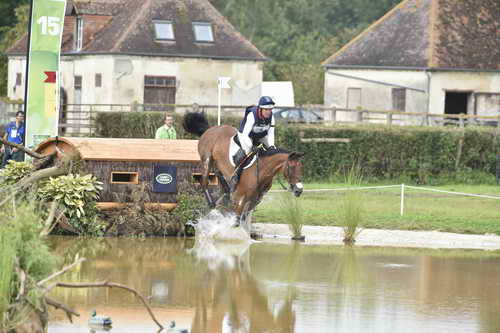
[[195, 123]]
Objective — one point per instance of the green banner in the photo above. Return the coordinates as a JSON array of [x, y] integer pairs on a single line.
[[42, 114]]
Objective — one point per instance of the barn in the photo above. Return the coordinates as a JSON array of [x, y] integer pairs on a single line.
[[122, 165]]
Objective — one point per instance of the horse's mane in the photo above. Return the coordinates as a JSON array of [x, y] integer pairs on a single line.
[[271, 152]]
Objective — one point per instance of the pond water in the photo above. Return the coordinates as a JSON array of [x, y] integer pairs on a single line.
[[277, 287]]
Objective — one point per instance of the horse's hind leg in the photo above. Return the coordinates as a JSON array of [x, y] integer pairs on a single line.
[[205, 169]]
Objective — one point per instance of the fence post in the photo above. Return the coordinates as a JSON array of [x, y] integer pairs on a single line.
[[498, 169], [402, 199], [359, 116], [389, 118], [461, 120], [334, 114]]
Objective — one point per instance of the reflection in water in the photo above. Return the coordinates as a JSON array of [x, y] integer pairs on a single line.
[[238, 304], [268, 287]]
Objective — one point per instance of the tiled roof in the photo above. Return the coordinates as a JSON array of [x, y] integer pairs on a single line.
[[441, 34], [129, 29]]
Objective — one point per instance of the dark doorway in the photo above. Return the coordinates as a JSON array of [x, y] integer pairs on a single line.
[[456, 102]]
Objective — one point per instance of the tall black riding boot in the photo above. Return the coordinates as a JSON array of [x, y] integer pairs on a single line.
[[235, 179]]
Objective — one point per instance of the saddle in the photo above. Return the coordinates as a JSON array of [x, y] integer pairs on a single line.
[[236, 154]]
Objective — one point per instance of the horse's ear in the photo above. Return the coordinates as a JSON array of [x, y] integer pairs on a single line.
[[295, 156]]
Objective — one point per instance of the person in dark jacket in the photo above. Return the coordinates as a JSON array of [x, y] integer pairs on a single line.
[[257, 127], [14, 132]]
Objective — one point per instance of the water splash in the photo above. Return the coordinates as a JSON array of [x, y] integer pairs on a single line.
[[217, 242], [219, 227]]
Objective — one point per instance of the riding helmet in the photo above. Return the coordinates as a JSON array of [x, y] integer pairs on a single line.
[[266, 102]]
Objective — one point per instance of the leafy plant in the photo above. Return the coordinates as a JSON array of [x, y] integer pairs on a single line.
[[78, 195], [13, 172]]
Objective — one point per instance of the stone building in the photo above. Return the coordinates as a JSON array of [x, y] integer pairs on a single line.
[[434, 56]]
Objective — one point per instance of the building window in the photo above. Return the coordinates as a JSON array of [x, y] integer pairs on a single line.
[[124, 178], [159, 90], [98, 80], [19, 79], [212, 179], [164, 30], [78, 82], [399, 99], [203, 32], [79, 34]]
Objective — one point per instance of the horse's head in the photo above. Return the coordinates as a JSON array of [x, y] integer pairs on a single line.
[[293, 173]]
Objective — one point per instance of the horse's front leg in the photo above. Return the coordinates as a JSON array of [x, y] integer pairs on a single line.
[[224, 199], [242, 208]]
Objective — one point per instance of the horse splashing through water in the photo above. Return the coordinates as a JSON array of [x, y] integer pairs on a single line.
[[255, 181]]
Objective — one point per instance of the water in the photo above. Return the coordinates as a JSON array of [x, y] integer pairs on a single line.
[[245, 286]]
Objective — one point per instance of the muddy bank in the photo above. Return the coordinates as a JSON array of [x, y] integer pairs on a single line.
[[377, 237]]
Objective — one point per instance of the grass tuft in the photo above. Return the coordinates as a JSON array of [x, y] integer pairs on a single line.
[[293, 214]]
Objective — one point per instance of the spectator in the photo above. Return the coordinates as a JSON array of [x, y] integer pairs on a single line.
[[167, 131], [14, 132]]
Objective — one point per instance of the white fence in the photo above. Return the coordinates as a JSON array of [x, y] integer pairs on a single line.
[[403, 190]]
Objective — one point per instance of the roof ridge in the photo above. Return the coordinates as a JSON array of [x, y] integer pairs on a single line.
[[433, 32], [145, 5], [364, 32]]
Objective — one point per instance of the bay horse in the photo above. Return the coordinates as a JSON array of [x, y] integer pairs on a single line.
[[255, 181]]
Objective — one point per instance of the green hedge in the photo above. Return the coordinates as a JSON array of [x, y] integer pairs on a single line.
[[415, 154]]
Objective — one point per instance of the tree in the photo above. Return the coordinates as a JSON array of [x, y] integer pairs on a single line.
[[9, 35]]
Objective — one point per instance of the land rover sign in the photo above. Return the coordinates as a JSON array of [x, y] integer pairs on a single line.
[[165, 178]]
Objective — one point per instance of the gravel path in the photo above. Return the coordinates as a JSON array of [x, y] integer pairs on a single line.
[[377, 237]]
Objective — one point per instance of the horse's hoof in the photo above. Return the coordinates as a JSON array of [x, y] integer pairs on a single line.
[[236, 224]]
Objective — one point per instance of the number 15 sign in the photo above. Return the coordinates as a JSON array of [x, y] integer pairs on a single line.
[[42, 107]]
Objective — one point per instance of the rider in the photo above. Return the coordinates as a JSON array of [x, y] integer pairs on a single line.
[[256, 127]]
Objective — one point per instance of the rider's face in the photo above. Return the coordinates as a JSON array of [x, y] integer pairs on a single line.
[[266, 113]]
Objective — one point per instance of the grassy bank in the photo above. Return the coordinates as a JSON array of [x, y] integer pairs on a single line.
[[422, 210]]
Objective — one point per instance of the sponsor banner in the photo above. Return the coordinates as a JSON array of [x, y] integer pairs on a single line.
[[165, 178], [42, 111]]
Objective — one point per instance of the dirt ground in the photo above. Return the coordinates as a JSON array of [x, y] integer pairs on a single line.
[[377, 237]]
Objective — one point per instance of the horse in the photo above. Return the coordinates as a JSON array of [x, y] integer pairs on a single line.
[[255, 181]]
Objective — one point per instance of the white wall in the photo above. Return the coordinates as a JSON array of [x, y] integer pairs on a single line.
[[476, 82], [375, 96], [16, 65], [123, 78], [378, 97]]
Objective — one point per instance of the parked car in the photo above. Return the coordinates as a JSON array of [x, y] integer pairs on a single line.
[[297, 115]]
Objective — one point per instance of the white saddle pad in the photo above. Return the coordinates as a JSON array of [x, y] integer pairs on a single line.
[[233, 149]]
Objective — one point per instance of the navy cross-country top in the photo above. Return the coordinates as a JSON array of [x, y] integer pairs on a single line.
[[256, 128]]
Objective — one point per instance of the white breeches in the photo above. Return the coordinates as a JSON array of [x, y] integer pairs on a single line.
[[246, 142]]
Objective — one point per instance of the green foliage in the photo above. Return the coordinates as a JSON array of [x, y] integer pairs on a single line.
[[13, 25], [351, 209], [419, 155], [294, 34], [21, 245], [13, 172], [293, 213], [78, 195], [141, 220], [190, 204], [143, 124]]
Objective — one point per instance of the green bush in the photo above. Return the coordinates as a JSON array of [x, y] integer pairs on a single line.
[[13, 172], [422, 155], [21, 243], [78, 195]]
